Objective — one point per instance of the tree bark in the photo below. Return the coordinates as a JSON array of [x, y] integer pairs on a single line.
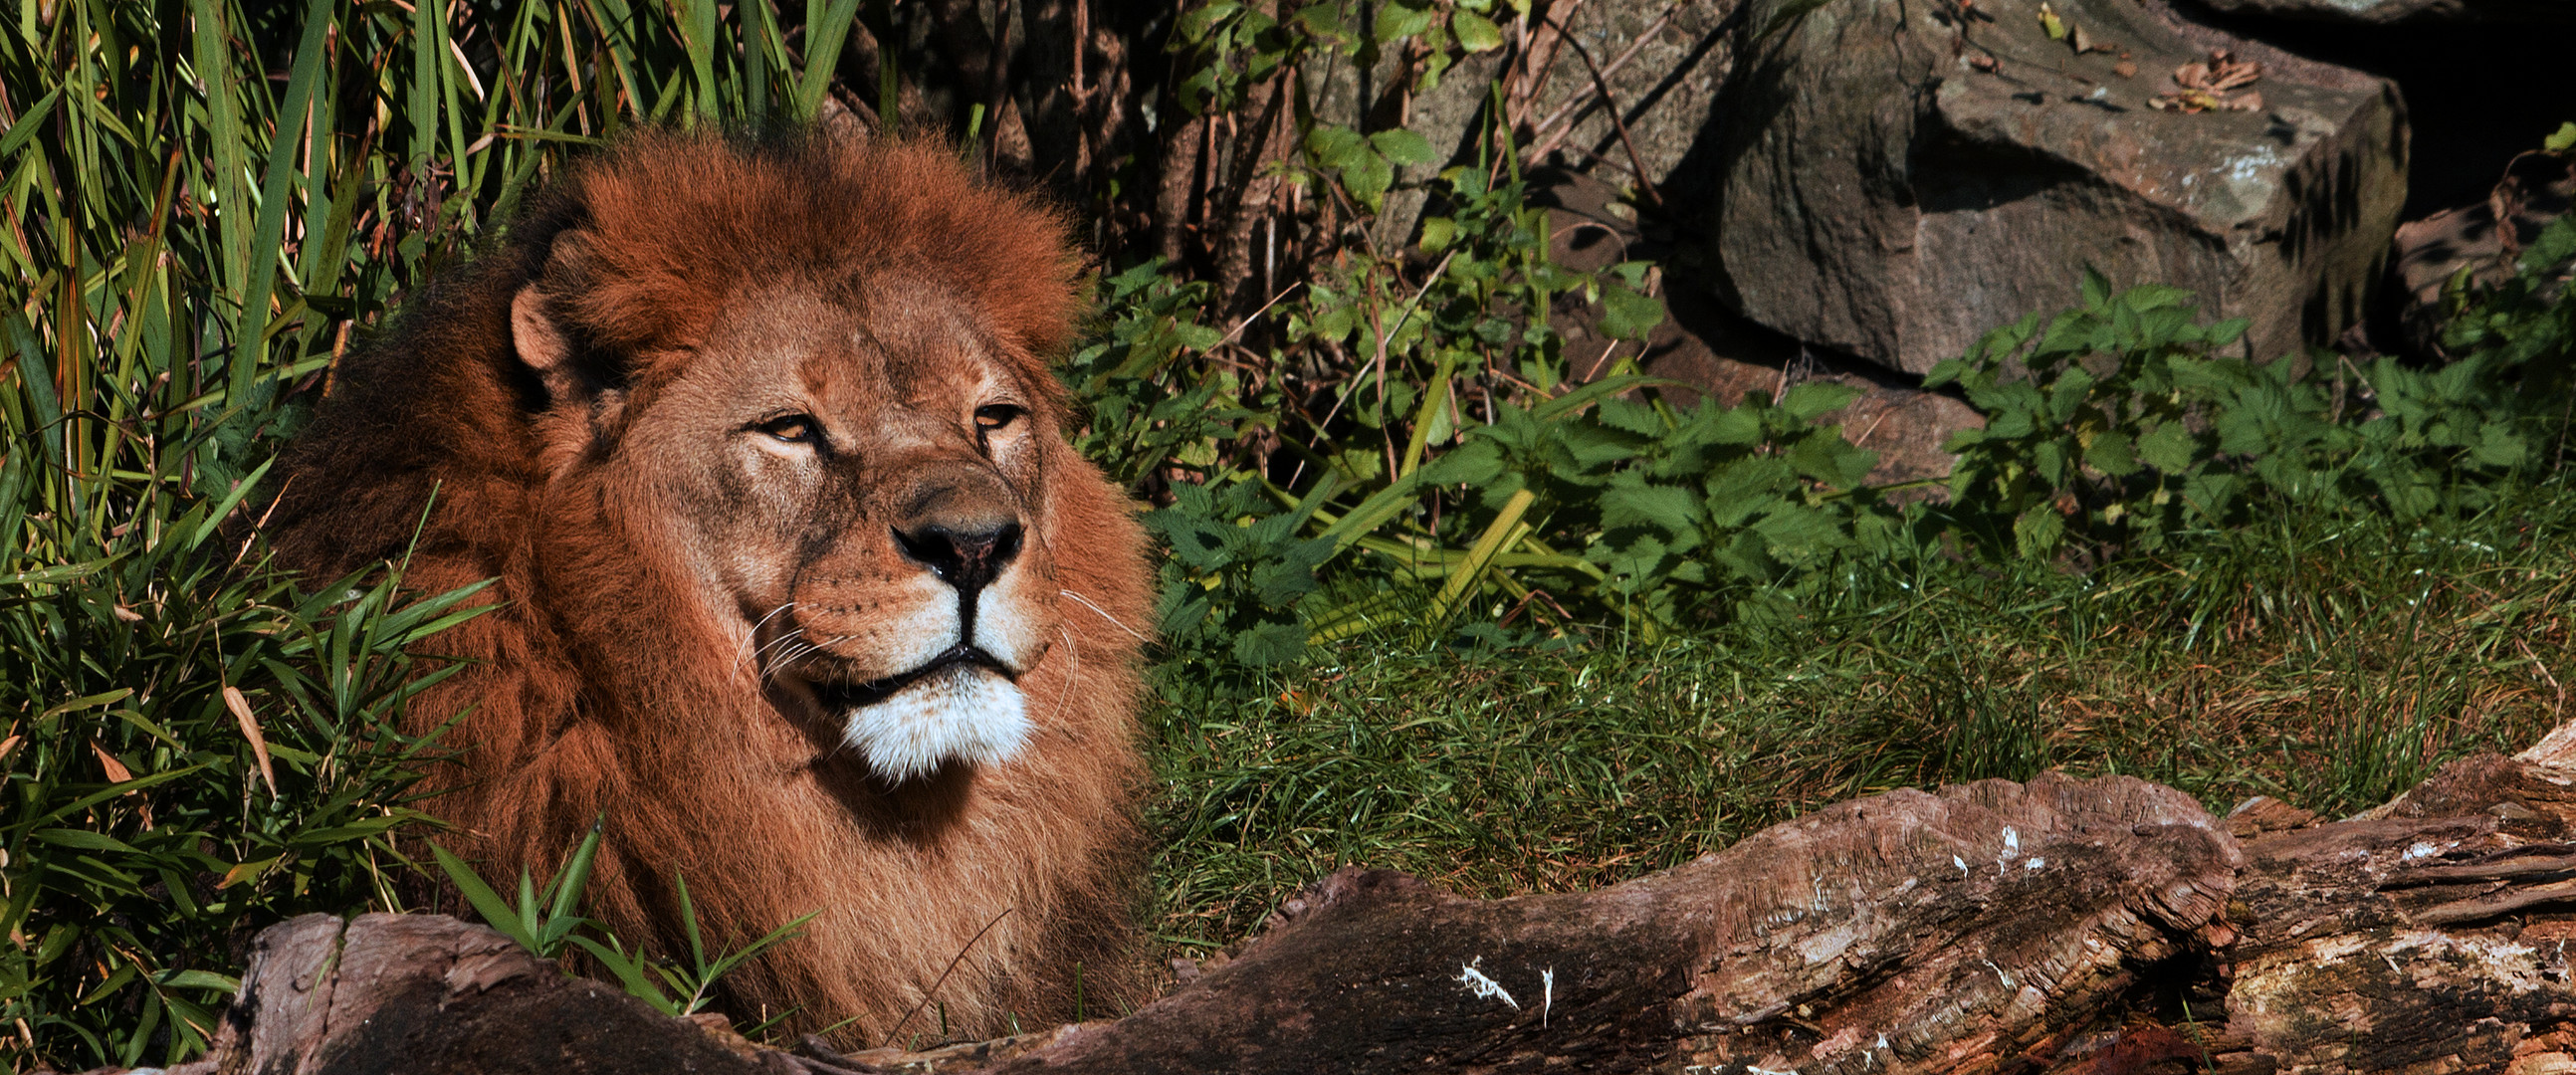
[[2100, 926]]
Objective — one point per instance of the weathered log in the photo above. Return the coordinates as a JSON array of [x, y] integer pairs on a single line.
[[2063, 925]]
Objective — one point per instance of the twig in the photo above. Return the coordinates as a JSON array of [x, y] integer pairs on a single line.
[[1248, 319], [943, 976], [1080, 91], [1595, 371], [1601, 84], [999, 88], [1565, 111]]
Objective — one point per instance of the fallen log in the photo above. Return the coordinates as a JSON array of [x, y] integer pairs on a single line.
[[2101, 926]]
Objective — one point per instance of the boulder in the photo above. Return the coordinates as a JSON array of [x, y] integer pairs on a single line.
[[1899, 177], [2486, 239], [2388, 12], [1703, 351]]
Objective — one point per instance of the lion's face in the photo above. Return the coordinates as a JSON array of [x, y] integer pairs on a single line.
[[854, 483]]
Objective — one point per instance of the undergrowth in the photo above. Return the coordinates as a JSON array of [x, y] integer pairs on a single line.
[[2330, 663]]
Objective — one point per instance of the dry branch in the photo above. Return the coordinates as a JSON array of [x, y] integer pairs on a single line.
[[2064, 925]]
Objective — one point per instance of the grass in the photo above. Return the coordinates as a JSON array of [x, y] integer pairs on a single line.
[[2329, 664]]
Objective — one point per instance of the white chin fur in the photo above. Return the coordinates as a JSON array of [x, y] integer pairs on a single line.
[[963, 714]]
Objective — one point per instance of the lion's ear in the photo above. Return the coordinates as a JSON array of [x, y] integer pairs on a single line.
[[541, 342], [540, 339]]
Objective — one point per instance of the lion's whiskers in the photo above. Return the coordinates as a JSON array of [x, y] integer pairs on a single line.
[[1073, 654], [773, 656], [748, 655], [1086, 603], [787, 658]]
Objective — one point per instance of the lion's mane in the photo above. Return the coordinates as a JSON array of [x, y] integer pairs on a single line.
[[583, 693]]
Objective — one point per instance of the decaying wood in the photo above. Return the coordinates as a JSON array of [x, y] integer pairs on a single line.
[[2100, 926]]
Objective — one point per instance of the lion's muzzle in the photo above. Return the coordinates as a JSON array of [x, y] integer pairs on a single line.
[[923, 624], [967, 559]]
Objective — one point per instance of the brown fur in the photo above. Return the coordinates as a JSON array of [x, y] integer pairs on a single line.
[[601, 685]]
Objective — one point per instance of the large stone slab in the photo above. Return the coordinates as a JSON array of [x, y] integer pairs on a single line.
[[1902, 175], [2393, 12]]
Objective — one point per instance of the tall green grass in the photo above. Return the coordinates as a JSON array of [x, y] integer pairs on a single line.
[[204, 201]]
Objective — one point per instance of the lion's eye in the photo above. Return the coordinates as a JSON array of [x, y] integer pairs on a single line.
[[793, 428], [992, 416]]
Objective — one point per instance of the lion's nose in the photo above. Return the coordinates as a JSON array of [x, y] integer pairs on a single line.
[[967, 559]]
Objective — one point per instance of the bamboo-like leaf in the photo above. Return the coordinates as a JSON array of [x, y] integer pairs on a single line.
[[1435, 396], [1498, 535], [240, 707], [699, 38], [824, 36], [250, 335]]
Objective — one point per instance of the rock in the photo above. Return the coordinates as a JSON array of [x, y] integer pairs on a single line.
[[1900, 176], [2388, 12], [1711, 352], [1675, 62], [2537, 188]]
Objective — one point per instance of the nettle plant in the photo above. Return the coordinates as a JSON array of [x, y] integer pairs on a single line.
[[1371, 462], [1305, 438], [2129, 425]]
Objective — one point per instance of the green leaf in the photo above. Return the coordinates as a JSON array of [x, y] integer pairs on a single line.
[[1628, 315], [1396, 21], [1269, 644], [1826, 457], [84, 840], [2561, 140], [2097, 288], [1667, 508], [496, 912], [1195, 24], [630, 972], [2169, 448], [2038, 532], [2499, 446], [1367, 178], [1477, 33], [1322, 21], [2112, 454], [1815, 399], [1404, 147], [1437, 233]]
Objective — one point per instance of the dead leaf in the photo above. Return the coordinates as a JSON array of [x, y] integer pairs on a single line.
[[117, 773], [127, 614], [2204, 86], [1986, 64], [240, 706], [2084, 42], [2125, 69], [244, 872]]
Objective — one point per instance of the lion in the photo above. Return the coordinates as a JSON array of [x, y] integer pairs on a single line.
[[799, 587]]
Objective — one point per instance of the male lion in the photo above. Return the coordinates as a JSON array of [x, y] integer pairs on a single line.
[[799, 584]]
